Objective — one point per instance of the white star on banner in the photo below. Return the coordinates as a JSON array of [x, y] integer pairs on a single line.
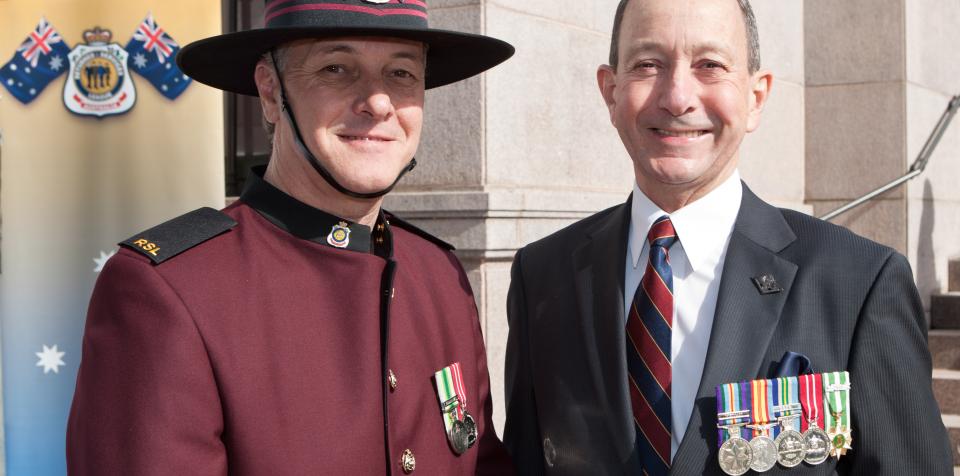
[[139, 60], [56, 63], [102, 260], [50, 359]]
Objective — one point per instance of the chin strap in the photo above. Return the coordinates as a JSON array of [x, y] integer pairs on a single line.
[[312, 160]]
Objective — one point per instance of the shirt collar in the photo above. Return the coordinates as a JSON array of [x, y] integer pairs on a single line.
[[703, 227], [309, 223]]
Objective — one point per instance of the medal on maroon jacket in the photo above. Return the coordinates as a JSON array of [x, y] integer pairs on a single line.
[[460, 426], [811, 398]]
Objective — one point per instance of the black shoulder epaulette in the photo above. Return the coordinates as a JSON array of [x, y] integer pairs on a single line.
[[171, 238], [395, 220]]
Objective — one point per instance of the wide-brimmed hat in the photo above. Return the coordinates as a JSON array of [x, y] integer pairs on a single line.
[[228, 61]]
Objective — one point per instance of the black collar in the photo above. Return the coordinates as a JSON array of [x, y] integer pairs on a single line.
[[309, 223]]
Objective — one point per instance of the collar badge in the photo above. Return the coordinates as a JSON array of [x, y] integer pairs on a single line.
[[339, 236]]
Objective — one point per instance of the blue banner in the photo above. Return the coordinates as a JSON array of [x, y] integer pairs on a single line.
[[39, 59]]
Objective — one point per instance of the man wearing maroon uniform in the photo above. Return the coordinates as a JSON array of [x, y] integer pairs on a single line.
[[299, 330]]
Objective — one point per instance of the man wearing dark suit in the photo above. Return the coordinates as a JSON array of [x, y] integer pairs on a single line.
[[623, 324]]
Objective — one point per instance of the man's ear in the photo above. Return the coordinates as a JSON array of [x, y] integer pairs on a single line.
[[607, 81], [268, 86], [762, 84]]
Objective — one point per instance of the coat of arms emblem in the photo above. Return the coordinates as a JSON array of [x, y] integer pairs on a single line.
[[98, 83]]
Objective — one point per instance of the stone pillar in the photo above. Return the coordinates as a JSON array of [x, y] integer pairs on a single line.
[[520, 152], [772, 157], [855, 105]]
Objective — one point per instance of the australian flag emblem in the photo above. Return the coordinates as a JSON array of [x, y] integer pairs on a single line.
[[39, 59], [152, 53]]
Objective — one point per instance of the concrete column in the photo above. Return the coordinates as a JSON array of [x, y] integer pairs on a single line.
[[855, 105], [772, 157]]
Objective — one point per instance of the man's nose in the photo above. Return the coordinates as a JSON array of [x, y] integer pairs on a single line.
[[374, 100], [677, 92]]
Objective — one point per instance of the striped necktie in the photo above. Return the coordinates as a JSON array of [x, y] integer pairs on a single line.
[[648, 332]]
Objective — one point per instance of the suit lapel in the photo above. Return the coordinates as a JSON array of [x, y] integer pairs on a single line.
[[743, 324], [599, 266]]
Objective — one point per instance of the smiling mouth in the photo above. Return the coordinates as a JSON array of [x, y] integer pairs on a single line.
[[683, 134], [365, 138]]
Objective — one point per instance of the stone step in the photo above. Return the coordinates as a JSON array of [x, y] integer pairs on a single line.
[[945, 348], [946, 389], [945, 311], [952, 422]]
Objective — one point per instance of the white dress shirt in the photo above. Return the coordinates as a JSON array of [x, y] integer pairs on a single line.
[[703, 229]]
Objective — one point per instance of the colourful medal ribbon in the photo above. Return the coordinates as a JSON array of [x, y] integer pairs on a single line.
[[459, 389], [787, 400], [811, 399], [450, 403], [760, 411], [836, 390], [732, 409]]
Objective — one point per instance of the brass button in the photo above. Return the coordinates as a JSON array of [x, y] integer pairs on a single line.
[[379, 226], [392, 379], [408, 462]]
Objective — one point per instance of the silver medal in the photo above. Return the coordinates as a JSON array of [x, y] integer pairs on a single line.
[[791, 448], [458, 437], [818, 445], [735, 454], [470, 426], [764, 453]]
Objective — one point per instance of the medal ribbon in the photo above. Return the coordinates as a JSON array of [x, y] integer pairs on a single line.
[[811, 398], [450, 403], [460, 390], [836, 390], [760, 411], [732, 398], [787, 400]]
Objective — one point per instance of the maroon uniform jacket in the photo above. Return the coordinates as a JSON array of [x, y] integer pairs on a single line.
[[266, 349]]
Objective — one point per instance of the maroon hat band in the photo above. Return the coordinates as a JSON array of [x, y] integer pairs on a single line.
[[345, 13]]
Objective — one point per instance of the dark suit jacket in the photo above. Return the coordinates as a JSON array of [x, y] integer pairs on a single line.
[[848, 304]]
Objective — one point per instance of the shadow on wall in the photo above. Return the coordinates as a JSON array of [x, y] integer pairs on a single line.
[[926, 271]]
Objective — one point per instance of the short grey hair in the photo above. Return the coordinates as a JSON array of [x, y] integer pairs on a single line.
[[753, 37]]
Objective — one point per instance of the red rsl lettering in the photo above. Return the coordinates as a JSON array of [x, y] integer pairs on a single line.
[[151, 248]]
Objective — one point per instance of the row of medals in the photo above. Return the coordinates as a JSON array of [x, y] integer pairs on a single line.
[[761, 453], [463, 433]]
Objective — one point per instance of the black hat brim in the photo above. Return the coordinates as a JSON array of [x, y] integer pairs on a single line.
[[228, 61]]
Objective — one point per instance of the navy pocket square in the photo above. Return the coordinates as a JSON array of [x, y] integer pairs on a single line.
[[792, 364]]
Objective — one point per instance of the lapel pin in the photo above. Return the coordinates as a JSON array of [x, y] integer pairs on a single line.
[[766, 284]]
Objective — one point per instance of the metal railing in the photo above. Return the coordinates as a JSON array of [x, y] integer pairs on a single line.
[[918, 165]]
